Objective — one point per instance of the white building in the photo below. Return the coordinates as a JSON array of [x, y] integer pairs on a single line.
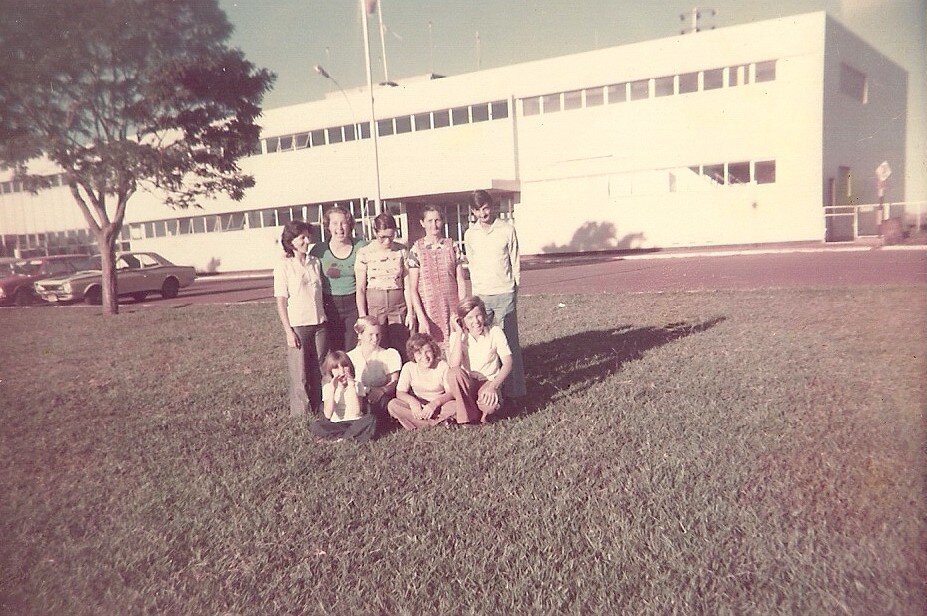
[[732, 136]]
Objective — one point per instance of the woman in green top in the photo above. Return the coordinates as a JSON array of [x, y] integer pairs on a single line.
[[339, 285]]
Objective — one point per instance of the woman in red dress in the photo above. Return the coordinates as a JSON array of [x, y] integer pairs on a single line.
[[436, 277]]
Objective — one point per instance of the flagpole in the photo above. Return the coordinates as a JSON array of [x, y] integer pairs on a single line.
[[378, 204], [382, 39]]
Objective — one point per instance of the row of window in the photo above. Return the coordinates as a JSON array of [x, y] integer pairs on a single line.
[[426, 120], [71, 241], [691, 179], [744, 172], [16, 186], [653, 87]]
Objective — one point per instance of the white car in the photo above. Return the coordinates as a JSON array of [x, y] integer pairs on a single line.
[[137, 275]]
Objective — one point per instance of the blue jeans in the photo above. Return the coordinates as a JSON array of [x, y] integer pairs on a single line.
[[503, 312]]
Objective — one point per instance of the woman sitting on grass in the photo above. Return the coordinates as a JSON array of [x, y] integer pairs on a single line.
[[377, 369], [480, 360], [342, 403], [423, 395]]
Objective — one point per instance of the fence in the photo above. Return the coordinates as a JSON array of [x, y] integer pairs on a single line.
[[845, 223]]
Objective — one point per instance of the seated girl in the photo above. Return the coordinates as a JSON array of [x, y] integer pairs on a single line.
[[480, 360], [377, 368], [342, 403], [422, 398]]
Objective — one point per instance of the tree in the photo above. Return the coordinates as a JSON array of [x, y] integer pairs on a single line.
[[125, 95]]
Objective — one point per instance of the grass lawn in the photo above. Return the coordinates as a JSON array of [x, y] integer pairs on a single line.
[[728, 452]]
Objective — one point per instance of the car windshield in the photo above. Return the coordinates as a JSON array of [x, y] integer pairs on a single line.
[[27, 268]]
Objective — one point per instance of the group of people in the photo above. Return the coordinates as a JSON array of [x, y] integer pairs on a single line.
[[354, 311]]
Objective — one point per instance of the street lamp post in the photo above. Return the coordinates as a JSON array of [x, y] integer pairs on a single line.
[[318, 68]]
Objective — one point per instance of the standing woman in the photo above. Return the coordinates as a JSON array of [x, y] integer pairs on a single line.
[[298, 290], [382, 283], [436, 277], [339, 285]]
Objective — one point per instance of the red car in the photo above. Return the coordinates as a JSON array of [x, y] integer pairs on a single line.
[[16, 282]]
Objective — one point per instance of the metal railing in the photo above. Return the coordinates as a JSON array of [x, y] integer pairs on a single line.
[[845, 223]]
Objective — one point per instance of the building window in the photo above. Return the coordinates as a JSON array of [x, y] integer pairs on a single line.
[[385, 127], [364, 130], [713, 79], [765, 71], [286, 143], [233, 221], [350, 132], [284, 215], [442, 118], [663, 86], [550, 103], [573, 99], [531, 106], [500, 110], [480, 113], [403, 125], [715, 173], [273, 144], [738, 75], [302, 141], [334, 134], [640, 89], [318, 137], [422, 121], [184, 226], [199, 225], [594, 97], [738, 173], [460, 115], [618, 93], [764, 172], [688, 83], [212, 223], [854, 84]]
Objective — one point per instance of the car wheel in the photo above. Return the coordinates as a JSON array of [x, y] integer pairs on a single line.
[[23, 297], [93, 296], [169, 288], [140, 296]]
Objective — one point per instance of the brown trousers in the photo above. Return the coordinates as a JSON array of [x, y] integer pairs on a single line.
[[463, 408]]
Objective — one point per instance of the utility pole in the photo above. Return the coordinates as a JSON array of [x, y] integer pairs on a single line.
[[694, 16], [431, 50]]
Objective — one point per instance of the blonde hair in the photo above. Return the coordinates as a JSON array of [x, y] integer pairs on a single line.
[[364, 322]]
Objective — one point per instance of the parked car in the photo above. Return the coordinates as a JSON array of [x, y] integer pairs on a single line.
[[18, 276], [137, 275]]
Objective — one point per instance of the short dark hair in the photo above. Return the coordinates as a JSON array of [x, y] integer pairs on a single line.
[[291, 231], [479, 198], [384, 220], [417, 342], [430, 208], [337, 359]]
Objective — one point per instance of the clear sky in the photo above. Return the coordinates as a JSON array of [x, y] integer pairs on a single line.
[[290, 36]]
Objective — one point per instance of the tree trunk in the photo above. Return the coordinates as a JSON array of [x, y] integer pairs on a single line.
[[106, 243]]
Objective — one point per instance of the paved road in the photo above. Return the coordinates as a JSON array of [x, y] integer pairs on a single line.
[[689, 273], [643, 275], [746, 271]]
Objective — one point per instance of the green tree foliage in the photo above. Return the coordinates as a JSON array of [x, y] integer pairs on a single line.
[[126, 95]]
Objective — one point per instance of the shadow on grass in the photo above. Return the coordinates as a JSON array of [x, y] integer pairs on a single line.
[[585, 358]]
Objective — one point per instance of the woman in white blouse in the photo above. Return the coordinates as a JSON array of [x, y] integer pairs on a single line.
[[298, 291], [479, 357]]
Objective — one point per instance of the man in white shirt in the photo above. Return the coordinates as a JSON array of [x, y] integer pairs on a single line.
[[495, 272]]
